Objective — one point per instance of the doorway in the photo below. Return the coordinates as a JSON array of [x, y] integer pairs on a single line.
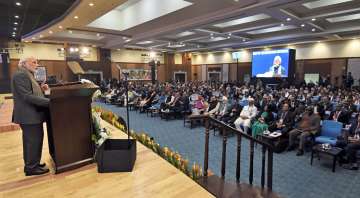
[[180, 77]]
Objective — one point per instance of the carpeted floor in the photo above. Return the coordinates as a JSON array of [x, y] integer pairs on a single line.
[[294, 177]]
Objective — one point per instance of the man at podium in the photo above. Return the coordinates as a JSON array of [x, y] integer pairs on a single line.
[[28, 112]]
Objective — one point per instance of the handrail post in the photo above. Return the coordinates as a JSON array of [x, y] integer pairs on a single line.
[[263, 166], [251, 168], [270, 169], [238, 156], [223, 158], [206, 159]]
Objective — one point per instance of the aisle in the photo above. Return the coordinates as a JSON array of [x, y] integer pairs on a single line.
[[293, 176]]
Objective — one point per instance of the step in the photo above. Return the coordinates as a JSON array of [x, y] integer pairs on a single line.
[[221, 188]]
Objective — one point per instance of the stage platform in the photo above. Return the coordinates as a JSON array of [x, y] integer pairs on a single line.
[[152, 176]]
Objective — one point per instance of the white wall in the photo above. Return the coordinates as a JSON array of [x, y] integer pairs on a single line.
[[47, 52], [332, 49], [134, 56]]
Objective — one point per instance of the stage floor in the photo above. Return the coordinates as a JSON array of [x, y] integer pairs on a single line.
[[152, 176]]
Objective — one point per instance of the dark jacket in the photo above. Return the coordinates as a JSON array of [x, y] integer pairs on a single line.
[[27, 104]]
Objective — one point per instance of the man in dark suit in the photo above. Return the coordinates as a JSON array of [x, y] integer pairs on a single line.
[[340, 115], [284, 121], [29, 104]]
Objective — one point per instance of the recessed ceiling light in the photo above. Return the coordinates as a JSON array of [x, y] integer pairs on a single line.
[[50, 32], [91, 4], [302, 25], [236, 0], [98, 35], [124, 37], [15, 28], [282, 25], [60, 27], [319, 41], [70, 31], [17, 16], [118, 49], [41, 36], [313, 19], [33, 38], [288, 19], [211, 34], [229, 37], [14, 32], [76, 17], [13, 35], [18, 4], [15, 23], [230, 34], [244, 40], [313, 29]]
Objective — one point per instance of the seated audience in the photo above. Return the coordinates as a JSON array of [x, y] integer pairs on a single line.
[[309, 126], [247, 114], [263, 122], [284, 121]]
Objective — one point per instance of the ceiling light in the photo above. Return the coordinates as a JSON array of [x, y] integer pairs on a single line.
[[288, 19], [50, 32], [14, 32], [236, 0], [313, 29], [302, 25], [124, 37], [33, 38], [319, 41], [76, 49], [18, 4], [211, 34], [91, 4], [118, 49], [16, 16], [98, 35], [127, 40], [13, 35], [85, 50], [15, 23], [76, 17], [282, 25], [313, 19], [60, 27], [230, 34], [72, 49], [244, 40], [41, 36], [15, 28], [70, 31]]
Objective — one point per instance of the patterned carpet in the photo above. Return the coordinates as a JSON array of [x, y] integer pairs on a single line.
[[294, 177]]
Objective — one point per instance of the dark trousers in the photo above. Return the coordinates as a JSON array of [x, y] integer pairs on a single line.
[[351, 151], [293, 134], [32, 137]]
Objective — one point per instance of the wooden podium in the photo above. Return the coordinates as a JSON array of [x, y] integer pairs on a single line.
[[70, 126]]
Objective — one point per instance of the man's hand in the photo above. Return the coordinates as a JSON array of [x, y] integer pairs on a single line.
[[44, 86], [244, 117]]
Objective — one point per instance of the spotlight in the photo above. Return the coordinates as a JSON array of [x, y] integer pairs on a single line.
[[302, 25], [60, 27], [16, 23], [313, 19], [91, 4], [50, 32], [16, 16], [76, 17], [18, 4], [288, 19], [313, 29]]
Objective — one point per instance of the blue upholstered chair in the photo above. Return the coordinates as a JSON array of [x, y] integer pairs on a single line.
[[330, 130]]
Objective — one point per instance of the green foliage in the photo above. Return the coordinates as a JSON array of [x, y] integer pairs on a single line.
[[172, 157]]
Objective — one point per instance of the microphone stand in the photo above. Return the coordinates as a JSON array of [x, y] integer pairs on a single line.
[[127, 106]]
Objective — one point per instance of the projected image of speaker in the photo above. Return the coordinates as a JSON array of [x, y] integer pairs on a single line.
[[273, 63]]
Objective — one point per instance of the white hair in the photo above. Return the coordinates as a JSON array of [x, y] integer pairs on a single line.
[[277, 58], [22, 62]]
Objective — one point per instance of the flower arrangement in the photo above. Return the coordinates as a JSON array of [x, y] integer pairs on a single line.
[[99, 134], [166, 153]]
